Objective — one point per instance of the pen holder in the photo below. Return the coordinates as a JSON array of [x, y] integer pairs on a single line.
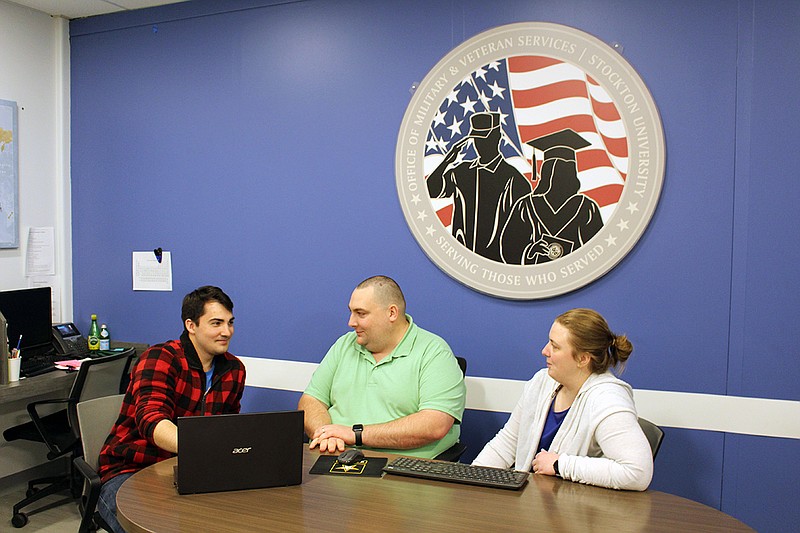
[[13, 368]]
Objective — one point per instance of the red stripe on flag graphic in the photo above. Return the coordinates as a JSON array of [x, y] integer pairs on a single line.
[[550, 95], [547, 95]]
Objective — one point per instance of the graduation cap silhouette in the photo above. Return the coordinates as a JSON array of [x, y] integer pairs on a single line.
[[560, 145]]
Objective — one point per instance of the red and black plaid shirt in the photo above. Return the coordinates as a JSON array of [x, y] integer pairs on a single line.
[[167, 382]]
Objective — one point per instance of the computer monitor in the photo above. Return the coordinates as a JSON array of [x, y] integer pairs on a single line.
[[28, 313]]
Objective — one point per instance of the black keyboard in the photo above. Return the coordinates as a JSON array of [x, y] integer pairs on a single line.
[[484, 476], [35, 365]]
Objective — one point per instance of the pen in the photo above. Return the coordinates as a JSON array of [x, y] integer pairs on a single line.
[[19, 342]]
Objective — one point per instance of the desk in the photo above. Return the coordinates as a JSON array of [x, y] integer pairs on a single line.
[[147, 502], [14, 398], [56, 384]]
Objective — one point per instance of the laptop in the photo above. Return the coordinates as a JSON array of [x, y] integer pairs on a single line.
[[239, 451]]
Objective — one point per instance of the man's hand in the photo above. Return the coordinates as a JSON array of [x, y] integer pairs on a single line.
[[332, 438], [316, 416], [452, 154], [165, 435]]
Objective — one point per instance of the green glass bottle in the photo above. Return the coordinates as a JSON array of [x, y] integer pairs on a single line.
[[94, 335]]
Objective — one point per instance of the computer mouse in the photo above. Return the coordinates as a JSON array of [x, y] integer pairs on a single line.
[[350, 456]]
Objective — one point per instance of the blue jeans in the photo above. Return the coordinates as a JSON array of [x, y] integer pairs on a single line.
[[107, 504]]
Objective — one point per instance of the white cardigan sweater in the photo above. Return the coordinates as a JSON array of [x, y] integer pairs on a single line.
[[599, 442]]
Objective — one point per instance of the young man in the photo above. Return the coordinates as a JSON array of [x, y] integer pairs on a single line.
[[195, 375], [388, 384]]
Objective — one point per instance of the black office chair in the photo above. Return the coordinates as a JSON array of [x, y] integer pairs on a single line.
[[454, 452], [96, 417], [60, 431], [462, 364], [653, 433]]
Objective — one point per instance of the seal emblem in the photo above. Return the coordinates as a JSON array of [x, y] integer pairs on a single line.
[[554, 251], [530, 160]]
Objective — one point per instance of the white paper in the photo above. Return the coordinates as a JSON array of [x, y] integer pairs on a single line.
[[149, 274], [40, 258]]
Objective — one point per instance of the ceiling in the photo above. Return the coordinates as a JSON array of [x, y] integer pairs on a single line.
[[73, 9]]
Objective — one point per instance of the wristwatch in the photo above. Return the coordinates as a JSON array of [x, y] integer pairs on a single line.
[[357, 429], [555, 467]]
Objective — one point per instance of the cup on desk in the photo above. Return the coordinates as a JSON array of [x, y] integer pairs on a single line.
[[13, 368]]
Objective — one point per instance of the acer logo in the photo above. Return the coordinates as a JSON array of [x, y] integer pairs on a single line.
[[242, 450]]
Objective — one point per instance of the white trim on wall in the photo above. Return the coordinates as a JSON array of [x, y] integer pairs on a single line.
[[708, 412], [63, 176]]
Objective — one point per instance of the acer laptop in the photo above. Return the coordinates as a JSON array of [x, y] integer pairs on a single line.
[[239, 451]]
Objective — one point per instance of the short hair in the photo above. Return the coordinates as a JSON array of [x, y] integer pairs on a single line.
[[589, 332], [387, 291], [194, 303]]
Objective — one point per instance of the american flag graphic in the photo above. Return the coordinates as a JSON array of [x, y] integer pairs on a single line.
[[536, 96]]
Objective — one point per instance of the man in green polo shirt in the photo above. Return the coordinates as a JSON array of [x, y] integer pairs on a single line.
[[388, 385]]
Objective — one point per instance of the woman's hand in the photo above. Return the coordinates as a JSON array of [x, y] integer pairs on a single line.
[[543, 463]]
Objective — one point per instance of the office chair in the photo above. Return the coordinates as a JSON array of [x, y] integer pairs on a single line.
[[653, 433], [454, 452], [60, 431], [96, 417]]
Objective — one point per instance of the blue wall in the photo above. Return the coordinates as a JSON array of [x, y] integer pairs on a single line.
[[256, 143]]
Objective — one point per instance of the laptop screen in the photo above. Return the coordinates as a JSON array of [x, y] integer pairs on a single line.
[[239, 451], [28, 313]]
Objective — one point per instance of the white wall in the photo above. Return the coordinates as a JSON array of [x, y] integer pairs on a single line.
[[34, 72]]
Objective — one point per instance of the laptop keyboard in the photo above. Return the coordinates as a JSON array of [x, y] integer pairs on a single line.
[[458, 473]]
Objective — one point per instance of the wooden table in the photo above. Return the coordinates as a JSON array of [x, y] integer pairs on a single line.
[[148, 502]]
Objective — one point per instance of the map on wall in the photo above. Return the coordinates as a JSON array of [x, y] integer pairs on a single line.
[[9, 201]]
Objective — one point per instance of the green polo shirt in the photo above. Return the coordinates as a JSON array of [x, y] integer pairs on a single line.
[[420, 373]]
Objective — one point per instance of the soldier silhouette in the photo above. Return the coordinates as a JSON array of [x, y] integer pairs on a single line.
[[483, 190], [555, 219]]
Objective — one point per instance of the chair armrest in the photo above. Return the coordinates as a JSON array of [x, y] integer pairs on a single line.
[[34, 412], [453, 453], [36, 418], [88, 473], [87, 504]]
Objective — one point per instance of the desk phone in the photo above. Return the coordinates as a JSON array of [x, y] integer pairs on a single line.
[[67, 339]]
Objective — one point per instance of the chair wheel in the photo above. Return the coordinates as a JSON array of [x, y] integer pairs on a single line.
[[19, 520]]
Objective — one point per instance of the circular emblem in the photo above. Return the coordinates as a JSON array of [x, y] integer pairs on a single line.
[[554, 251], [530, 161]]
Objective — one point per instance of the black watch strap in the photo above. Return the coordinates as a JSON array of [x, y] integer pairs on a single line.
[[357, 429], [555, 467]]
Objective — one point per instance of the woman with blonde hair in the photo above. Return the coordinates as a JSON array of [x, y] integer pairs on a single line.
[[575, 418]]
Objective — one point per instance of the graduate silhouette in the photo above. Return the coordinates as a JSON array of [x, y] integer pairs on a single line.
[[555, 219]]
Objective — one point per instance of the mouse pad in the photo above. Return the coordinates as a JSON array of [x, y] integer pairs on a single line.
[[367, 467]]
